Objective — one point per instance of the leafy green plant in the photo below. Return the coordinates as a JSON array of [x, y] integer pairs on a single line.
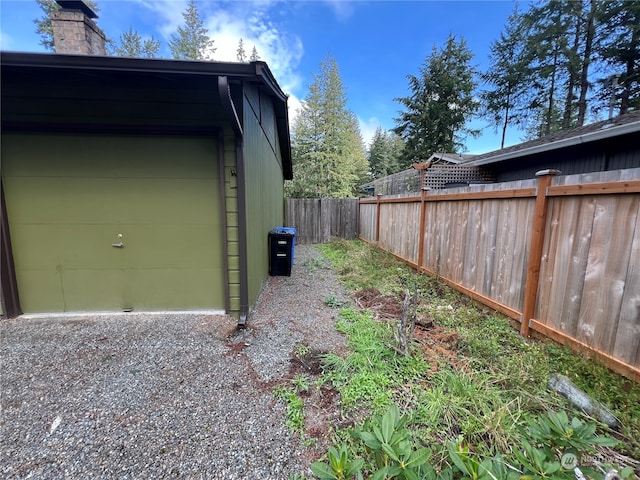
[[555, 429], [473, 468], [340, 467], [314, 264], [302, 350], [369, 376], [295, 407], [301, 383], [537, 462], [334, 302], [392, 446]]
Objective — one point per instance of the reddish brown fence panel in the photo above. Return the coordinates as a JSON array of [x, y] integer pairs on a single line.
[[580, 284]]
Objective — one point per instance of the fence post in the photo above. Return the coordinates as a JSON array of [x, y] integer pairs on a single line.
[[378, 217], [535, 249], [423, 213]]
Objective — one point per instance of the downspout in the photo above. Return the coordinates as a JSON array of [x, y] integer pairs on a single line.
[[227, 103]]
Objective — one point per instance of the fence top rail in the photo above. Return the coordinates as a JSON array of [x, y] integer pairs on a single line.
[[597, 183], [597, 177], [599, 188]]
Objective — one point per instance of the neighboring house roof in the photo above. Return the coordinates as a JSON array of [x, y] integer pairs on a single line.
[[257, 73], [454, 158], [620, 125]]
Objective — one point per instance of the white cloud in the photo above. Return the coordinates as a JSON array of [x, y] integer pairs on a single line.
[[170, 12], [368, 128], [341, 8], [294, 104], [281, 51], [228, 23], [6, 42]]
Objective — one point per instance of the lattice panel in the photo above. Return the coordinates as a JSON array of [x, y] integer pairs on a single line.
[[442, 176], [436, 177]]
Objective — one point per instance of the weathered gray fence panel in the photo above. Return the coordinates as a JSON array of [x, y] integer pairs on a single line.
[[318, 220]]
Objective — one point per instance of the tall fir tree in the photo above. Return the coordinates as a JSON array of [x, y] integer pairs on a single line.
[[241, 56], [619, 48], [131, 44], [385, 153], [441, 103], [327, 148], [547, 40], [254, 55], [43, 24], [356, 154], [502, 101], [191, 42], [561, 38], [552, 48]]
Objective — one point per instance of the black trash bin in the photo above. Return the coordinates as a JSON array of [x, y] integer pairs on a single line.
[[280, 252]]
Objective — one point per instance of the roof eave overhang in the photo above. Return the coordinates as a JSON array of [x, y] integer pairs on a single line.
[[125, 64], [610, 132], [282, 116], [255, 71]]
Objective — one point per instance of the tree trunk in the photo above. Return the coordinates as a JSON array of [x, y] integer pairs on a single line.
[[634, 46], [572, 60], [552, 87], [506, 121], [586, 61]]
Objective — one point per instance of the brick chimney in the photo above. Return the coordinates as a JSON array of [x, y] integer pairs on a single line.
[[74, 31]]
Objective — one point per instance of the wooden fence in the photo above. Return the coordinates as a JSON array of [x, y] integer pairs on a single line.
[[318, 220], [561, 255]]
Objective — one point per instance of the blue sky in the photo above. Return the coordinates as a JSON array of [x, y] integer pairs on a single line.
[[376, 43]]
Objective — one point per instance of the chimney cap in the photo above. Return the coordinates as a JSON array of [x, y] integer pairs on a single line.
[[77, 5]]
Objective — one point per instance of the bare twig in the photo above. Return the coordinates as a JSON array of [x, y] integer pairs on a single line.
[[407, 322]]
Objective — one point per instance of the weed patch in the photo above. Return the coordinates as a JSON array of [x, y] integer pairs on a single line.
[[472, 389]]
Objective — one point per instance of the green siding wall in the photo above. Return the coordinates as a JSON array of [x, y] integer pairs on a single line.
[[70, 197], [264, 185]]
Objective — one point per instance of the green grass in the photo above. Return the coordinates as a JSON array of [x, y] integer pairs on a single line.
[[295, 407], [502, 383]]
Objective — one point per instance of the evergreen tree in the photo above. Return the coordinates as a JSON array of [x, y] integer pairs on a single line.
[[619, 47], [240, 53], [356, 154], [440, 104], [132, 45], [328, 153], [560, 42], [385, 153], [502, 103], [254, 55], [547, 36], [589, 35], [43, 24], [191, 42]]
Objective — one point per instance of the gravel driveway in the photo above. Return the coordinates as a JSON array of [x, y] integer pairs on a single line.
[[162, 396]]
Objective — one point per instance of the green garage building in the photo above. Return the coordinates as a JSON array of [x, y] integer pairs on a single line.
[[138, 184]]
